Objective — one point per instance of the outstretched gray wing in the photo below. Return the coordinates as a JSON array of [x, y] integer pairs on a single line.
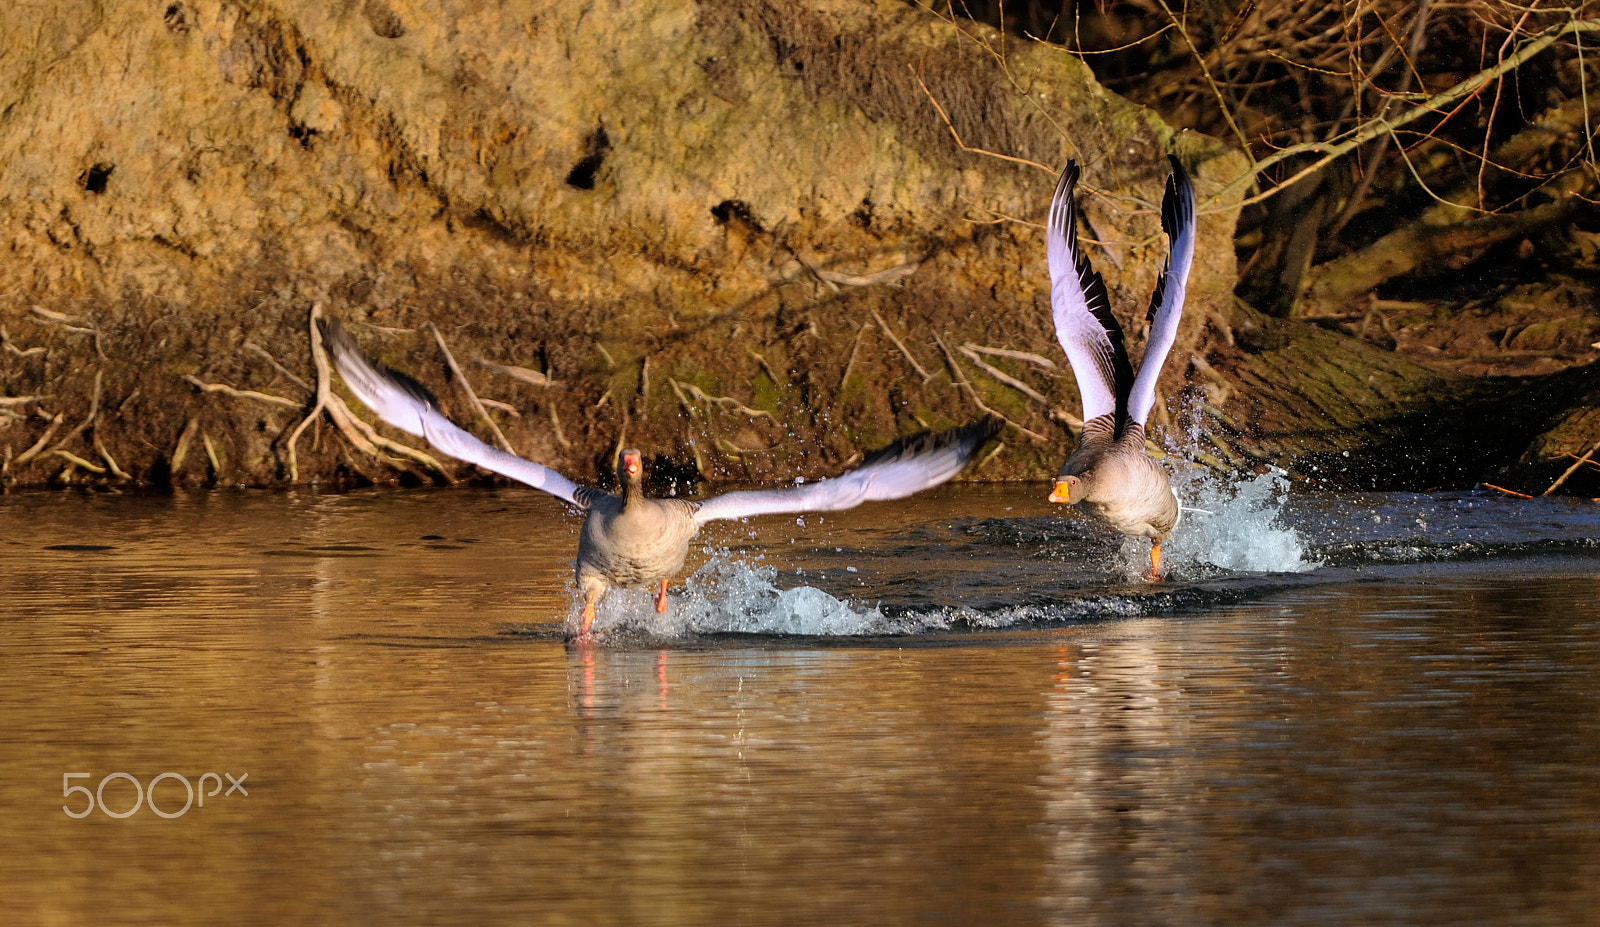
[[410, 407], [1166, 304], [905, 467]]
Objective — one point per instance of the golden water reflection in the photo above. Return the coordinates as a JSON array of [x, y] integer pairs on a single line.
[[419, 750]]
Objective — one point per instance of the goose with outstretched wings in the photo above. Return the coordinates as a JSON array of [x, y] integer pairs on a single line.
[[629, 539], [1109, 475]]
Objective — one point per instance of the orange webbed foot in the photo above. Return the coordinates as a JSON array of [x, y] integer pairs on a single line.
[[1154, 576], [582, 637], [661, 599]]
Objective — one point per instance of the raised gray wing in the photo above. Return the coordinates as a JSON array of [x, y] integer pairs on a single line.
[[909, 465], [1087, 330], [410, 407], [1166, 304]]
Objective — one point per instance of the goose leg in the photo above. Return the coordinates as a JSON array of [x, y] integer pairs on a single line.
[[661, 599], [1155, 562], [592, 591]]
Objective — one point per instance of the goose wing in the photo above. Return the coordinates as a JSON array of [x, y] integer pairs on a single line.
[[908, 466], [1087, 330], [1166, 305], [410, 407]]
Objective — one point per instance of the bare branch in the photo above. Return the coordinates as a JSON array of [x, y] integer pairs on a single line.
[[972, 393], [916, 72], [467, 386], [241, 393], [530, 377], [926, 376]]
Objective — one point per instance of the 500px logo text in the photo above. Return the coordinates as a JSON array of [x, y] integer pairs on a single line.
[[143, 795]]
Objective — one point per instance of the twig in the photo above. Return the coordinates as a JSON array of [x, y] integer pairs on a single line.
[[531, 377], [1224, 388], [813, 268], [466, 385], [622, 440], [1010, 381], [774, 374], [1205, 72], [387, 330], [733, 451], [211, 455], [124, 403], [241, 393], [5, 339], [6, 401], [261, 352], [106, 456], [882, 276], [1067, 420], [972, 392], [917, 73], [40, 445], [555, 424], [322, 393], [179, 453], [1378, 126], [505, 407], [77, 461], [926, 376], [1509, 492], [1034, 359], [94, 409], [726, 402], [855, 348], [1572, 469], [67, 321]]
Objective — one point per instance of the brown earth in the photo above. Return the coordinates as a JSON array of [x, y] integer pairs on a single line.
[[736, 233]]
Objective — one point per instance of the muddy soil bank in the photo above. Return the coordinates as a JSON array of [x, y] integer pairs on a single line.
[[739, 235]]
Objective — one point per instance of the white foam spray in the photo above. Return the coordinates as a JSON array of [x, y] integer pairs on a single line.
[[731, 595], [1233, 523]]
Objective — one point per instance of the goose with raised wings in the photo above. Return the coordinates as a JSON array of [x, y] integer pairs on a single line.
[[1109, 475], [629, 539]]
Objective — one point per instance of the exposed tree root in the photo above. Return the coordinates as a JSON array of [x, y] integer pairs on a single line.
[[356, 431], [685, 390], [972, 393], [241, 393], [910, 358], [530, 377]]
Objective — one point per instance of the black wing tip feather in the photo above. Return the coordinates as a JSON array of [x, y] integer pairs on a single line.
[[1177, 213], [1069, 178], [1177, 208], [968, 438], [1093, 285], [338, 340]]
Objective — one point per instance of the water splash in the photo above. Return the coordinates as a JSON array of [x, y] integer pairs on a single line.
[[1234, 524], [729, 595]]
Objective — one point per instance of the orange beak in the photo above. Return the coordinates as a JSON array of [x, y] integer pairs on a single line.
[[1063, 490], [631, 465]]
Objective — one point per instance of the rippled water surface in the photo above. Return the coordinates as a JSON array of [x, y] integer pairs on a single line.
[[966, 708]]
